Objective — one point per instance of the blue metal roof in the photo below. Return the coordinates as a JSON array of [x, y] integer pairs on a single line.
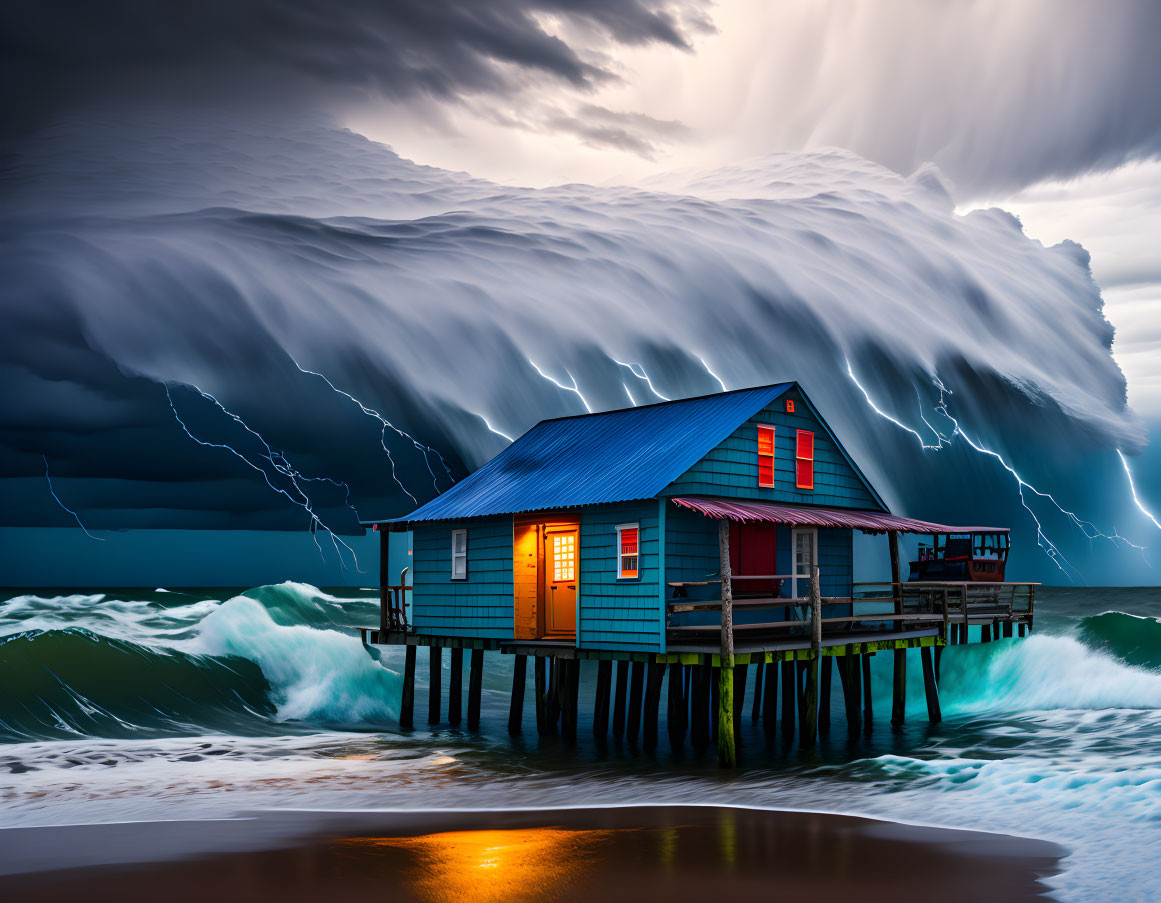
[[592, 459]]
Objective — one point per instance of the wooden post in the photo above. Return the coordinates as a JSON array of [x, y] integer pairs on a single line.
[[435, 687], [601, 707], [930, 687], [568, 709], [810, 696], [899, 670], [384, 583], [516, 707], [826, 663], [868, 702], [852, 692], [788, 693], [407, 697], [699, 729], [985, 633], [741, 675], [475, 688], [455, 693], [1007, 628], [619, 699], [540, 683], [727, 753], [553, 697], [770, 706], [652, 704], [1022, 627], [675, 717], [759, 674], [636, 689], [714, 693]]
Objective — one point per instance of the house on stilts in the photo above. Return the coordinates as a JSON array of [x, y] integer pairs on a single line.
[[698, 536]]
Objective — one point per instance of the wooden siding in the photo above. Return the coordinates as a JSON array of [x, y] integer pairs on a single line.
[[691, 553], [482, 605], [730, 470], [620, 614]]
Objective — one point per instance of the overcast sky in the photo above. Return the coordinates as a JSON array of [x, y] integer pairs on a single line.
[[1048, 109]]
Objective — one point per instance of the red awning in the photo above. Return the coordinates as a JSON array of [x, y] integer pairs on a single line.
[[866, 521]]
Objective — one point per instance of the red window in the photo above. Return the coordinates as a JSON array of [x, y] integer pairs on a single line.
[[765, 455], [628, 555], [804, 460]]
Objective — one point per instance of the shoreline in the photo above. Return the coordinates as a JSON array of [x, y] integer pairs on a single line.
[[622, 852]]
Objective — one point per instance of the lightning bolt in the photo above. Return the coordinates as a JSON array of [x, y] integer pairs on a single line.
[[1050, 549], [632, 400], [639, 371], [278, 462], [574, 388], [493, 429], [1133, 489], [385, 425], [76, 516], [721, 382]]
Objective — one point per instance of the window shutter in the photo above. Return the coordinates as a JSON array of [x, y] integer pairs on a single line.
[[804, 460], [765, 455]]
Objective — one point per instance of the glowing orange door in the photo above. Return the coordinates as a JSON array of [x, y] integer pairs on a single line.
[[560, 580]]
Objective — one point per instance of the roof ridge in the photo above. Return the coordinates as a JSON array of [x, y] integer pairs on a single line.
[[657, 404]]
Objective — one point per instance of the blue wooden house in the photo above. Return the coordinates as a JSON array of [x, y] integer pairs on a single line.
[[684, 533], [577, 531]]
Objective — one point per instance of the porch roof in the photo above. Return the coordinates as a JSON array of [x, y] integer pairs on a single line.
[[746, 511]]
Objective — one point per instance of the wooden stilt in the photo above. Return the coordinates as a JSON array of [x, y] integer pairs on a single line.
[[516, 707], [675, 716], [455, 693], [985, 633], [727, 751], [826, 665], [853, 693], [800, 690], [540, 683], [1007, 628], [601, 705], [407, 696], [724, 722], [741, 674], [552, 698], [699, 728], [930, 687], [788, 694], [1022, 627], [714, 694], [770, 706], [810, 704], [759, 674], [868, 701], [435, 685], [899, 688], [475, 688], [938, 661], [619, 699], [652, 704], [568, 714], [636, 691]]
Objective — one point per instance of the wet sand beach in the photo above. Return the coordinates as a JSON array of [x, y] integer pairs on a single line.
[[631, 853]]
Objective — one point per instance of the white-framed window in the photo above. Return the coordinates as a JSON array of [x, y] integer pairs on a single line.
[[459, 555], [805, 549], [628, 557]]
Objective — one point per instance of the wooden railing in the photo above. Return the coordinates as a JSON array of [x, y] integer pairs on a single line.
[[393, 605]]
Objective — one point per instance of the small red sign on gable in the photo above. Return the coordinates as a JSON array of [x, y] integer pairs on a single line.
[[789, 405]]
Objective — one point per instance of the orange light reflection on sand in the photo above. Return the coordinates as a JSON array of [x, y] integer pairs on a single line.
[[501, 866]]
